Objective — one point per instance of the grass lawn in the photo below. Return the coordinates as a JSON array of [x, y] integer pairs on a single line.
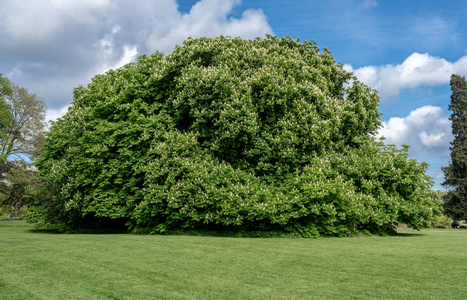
[[431, 264]]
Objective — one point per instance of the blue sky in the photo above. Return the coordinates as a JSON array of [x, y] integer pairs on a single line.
[[407, 50]]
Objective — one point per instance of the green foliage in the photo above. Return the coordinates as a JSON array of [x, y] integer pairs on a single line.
[[455, 201], [21, 136], [5, 112], [444, 221], [21, 132], [4, 211], [13, 190], [266, 135], [5, 116]]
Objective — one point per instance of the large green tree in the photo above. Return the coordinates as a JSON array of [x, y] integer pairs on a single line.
[[5, 113], [22, 124], [266, 135], [22, 129], [455, 201]]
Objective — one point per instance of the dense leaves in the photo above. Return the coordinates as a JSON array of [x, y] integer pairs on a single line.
[[21, 136], [13, 189], [267, 135], [455, 173]]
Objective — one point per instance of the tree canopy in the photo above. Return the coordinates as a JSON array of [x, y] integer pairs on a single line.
[[5, 113], [21, 136], [455, 201], [22, 124], [265, 136]]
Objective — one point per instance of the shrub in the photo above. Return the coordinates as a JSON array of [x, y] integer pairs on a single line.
[[443, 221]]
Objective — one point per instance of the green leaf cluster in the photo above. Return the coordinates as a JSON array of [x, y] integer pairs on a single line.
[[267, 135], [21, 135], [455, 201], [6, 116]]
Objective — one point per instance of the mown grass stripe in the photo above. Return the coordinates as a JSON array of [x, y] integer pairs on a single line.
[[430, 264]]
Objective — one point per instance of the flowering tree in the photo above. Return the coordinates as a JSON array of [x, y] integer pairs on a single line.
[[266, 135]]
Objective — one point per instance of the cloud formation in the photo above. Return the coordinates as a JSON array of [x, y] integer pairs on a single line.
[[427, 130], [52, 46], [417, 70], [54, 114], [369, 4]]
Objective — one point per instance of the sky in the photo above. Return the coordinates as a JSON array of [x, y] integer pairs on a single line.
[[407, 50]]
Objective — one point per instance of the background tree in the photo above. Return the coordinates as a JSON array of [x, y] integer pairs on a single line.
[[455, 201], [269, 136], [21, 137], [5, 114], [5, 87], [18, 178]]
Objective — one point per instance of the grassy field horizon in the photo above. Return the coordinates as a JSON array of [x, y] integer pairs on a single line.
[[427, 264]]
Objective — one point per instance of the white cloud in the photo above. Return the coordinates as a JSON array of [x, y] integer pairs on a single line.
[[39, 22], [369, 4], [54, 114], [208, 18], [52, 46], [426, 129], [417, 70], [129, 54], [109, 51]]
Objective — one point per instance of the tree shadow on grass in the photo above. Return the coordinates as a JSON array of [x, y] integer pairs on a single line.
[[409, 234], [44, 230], [88, 226], [58, 231]]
